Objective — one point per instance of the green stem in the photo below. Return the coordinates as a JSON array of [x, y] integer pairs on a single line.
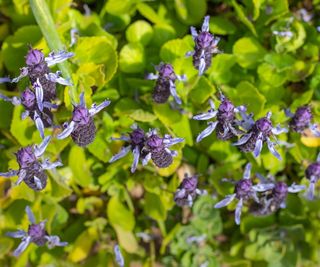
[[45, 21]]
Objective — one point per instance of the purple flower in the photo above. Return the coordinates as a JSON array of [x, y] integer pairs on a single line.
[[36, 234], [226, 125], [31, 170], [276, 196], [37, 70], [205, 47], [313, 175], [157, 149], [301, 120], [258, 134], [35, 106], [82, 128], [135, 142], [244, 190], [187, 191], [165, 84]]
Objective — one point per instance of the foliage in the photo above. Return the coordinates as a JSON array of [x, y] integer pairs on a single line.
[[93, 204]]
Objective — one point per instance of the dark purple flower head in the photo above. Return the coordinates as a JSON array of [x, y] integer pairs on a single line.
[[187, 191], [137, 137], [135, 143], [226, 111], [205, 47], [34, 57], [81, 115], [205, 40], [243, 189], [157, 149], [166, 71], [313, 170], [37, 233], [301, 119], [280, 191], [26, 157], [28, 99], [264, 125], [82, 128], [165, 84], [155, 143]]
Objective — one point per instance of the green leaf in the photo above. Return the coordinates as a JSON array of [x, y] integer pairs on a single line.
[[222, 26], [191, 11], [202, 91], [20, 129], [79, 166], [82, 246], [99, 147], [132, 59], [174, 49], [243, 18], [15, 46], [119, 8], [147, 12], [268, 74], [119, 215], [220, 70], [154, 207], [162, 33], [139, 32], [101, 52], [247, 94], [126, 239], [248, 52], [141, 115]]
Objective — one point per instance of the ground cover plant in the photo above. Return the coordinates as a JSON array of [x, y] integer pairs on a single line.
[[159, 133]]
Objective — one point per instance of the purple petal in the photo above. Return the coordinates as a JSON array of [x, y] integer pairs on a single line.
[[288, 113], [37, 181], [182, 77], [205, 25], [54, 241], [314, 130], [95, 109], [49, 105], [23, 245], [136, 156], [46, 165], [238, 211], [39, 149], [225, 202], [67, 131], [244, 139], [318, 157], [262, 187], [172, 141], [55, 77], [202, 66], [146, 159], [121, 138], [258, 147], [55, 58], [74, 33], [9, 173], [189, 54], [5, 98], [311, 189], [123, 152], [25, 114], [30, 215], [5, 80], [272, 149], [39, 124], [152, 76], [206, 116], [23, 73], [207, 131], [39, 94], [119, 257], [247, 171], [193, 32], [21, 175], [279, 130], [17, 234], [294, 188], [173, 92]]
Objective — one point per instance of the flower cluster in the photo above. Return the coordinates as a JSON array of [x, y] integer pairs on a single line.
[[146, 146], [226, 125], [36, 234], [81, 127], [313, 175], [187, 191], [165, 84], [205, 47], [31, 169]]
